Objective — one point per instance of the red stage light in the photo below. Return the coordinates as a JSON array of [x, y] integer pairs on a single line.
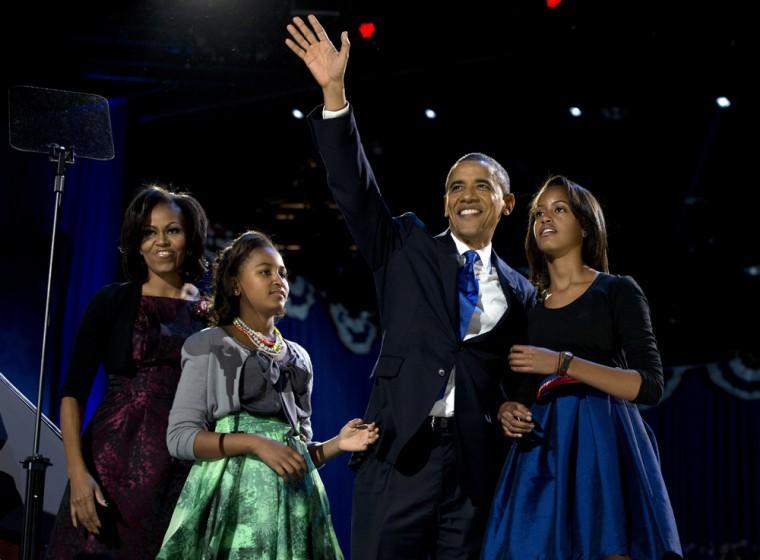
[[367, 30], [551, 4]]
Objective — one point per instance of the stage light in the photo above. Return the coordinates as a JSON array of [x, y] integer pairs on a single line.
[[367, 30], [723, 102], [551, 4], [576, 111], [429, 113], [297, 113]]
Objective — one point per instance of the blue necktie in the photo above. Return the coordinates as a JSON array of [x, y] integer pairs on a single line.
[[467, 283]]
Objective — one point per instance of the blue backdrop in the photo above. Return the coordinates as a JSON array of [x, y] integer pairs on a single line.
[[86, 256]]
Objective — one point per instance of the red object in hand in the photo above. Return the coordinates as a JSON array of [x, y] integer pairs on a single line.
[[554, 382]]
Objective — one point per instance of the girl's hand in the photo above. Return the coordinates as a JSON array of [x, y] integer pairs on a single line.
[[286, 462], [357, 436], [532, 359], [515, 419], [83, 493]]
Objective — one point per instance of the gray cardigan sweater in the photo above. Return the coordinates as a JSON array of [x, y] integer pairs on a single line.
[[209, 388]]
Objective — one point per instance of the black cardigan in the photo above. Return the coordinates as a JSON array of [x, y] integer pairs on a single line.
[[104, 337]]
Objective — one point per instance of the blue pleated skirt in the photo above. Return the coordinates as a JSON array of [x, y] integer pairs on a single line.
[[585, 484]]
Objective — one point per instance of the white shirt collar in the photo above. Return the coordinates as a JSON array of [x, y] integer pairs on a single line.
[[484, 253]]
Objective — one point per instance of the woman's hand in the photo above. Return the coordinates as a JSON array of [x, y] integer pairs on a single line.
[[357, 436], [83, 493], [515, 419], [286, 462], [533, 359]]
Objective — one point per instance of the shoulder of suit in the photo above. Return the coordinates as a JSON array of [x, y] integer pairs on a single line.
[[517, 280], [410, 220], [520, 286]]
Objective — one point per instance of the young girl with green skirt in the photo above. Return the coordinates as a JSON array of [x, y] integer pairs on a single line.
[[243, 412]]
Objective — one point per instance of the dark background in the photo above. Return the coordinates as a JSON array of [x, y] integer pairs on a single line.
[[201, 97]]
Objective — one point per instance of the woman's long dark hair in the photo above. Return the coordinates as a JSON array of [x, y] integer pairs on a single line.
[[588, 212]]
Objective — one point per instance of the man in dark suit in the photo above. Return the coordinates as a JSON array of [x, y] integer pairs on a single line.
[[450, 309]]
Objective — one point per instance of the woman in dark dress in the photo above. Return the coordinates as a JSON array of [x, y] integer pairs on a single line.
[[123, 484], [583, 480]]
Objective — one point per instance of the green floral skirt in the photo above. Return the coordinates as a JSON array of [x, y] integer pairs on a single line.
[[238, 507]]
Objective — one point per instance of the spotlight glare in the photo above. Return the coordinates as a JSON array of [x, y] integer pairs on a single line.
[[429, 113], [576, 111], [723, 102], [297, 113]]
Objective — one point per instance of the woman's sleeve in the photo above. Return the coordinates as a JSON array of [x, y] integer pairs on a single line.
[[633, 327], [89, 347], [188, 415]]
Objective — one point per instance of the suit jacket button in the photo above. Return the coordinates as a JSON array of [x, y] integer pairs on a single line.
[[441, 372]]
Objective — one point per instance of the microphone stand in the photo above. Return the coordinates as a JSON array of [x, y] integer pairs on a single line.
[[36, 464]]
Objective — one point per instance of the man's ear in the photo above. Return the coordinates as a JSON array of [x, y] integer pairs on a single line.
[[445, 206], [509, 203]]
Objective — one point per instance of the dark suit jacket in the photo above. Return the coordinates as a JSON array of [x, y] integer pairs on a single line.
[[415, 277]]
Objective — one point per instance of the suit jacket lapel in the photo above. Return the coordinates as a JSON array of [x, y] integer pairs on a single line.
[[506, 280], [507, 283], [448, 261], [505, 277]]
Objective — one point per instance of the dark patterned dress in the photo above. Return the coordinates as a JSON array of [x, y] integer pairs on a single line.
[[124, 445]]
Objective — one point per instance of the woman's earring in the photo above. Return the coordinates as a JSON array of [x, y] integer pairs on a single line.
[[585, 233]]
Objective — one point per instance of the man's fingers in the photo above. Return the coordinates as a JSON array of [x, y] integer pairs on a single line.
[[318, 29], [300, 53], [305, 31], [297, 37], [510, 433], [517, 420], [522, 413], [520, 423]]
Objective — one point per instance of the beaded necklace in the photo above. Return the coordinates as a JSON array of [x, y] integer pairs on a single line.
[[274, 348]]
